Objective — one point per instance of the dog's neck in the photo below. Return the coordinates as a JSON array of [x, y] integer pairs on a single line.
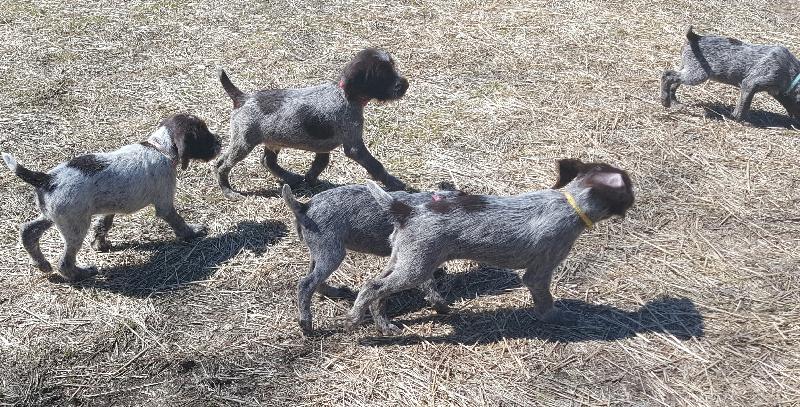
[[592, 210], [361, 101], [161, 141]]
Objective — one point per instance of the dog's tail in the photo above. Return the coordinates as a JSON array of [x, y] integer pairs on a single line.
[[236, 95], [399, 211], [35, 178], [691, 35], [299, 211]]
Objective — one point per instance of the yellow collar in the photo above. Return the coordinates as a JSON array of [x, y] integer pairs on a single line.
[[585, 218]]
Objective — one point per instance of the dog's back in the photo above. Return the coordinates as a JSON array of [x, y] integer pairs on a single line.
[[349, 214], [727, 60], [122, 181], [504, 231]]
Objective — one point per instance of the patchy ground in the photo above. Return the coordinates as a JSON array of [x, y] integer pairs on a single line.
[[690, 300]]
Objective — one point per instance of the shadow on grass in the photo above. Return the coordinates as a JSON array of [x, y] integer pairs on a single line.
[[175, 264], [755, 118], [675, 316], [302, 189]]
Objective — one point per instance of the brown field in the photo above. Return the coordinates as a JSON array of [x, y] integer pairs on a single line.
[[691, 300]]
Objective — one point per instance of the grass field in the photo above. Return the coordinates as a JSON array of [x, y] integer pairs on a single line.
[[691, 300]]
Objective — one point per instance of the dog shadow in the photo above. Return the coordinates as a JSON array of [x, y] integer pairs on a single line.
[[756, 118], [175, 264], [675, 316], [303, 190]]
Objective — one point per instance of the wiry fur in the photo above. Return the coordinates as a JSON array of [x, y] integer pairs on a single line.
[[317, 119], [534, 231], [346, 218], [752, 68], [121, 181]]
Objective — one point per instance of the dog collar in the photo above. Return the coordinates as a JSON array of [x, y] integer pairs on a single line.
[[793, 85], [363, 102], [152, 140], [584, 217]]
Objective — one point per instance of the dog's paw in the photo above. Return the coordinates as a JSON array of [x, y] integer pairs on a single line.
[[44, 267], [306, 327], [351, 322], [390, 330], [76, 275], [394, 184], [101, 245], [196, 231]]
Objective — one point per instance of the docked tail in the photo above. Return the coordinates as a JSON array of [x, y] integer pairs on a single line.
[[299, 211], [691, 35], [236, 95], [35, 178], [399, 211]]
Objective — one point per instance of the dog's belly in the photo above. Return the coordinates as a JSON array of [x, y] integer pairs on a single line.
[[307, 144]]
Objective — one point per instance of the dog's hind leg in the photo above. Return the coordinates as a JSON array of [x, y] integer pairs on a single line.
[[321, 267], [319, 164], [100, 228], [30, 233], [270, 161], [73, 231], [381, 287]]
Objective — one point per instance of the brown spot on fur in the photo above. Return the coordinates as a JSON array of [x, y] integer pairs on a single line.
[[400, 212], [465, 203], [734, 41]]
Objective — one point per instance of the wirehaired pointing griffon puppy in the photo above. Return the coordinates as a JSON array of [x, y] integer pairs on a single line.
[[752, 68], [533, 231], [122, 181], [318, 119], [347, 218]]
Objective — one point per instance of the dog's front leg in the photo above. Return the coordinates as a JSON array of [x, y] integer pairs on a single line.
[[750, 86], [359, 153], [537, 279], [182, 229]]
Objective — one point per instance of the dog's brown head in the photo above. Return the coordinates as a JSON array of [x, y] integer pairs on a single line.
[[372, 75], [608, 184], [191, 138]]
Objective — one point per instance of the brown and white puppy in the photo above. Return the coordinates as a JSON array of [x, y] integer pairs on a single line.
[[318, 119], [121, 181]]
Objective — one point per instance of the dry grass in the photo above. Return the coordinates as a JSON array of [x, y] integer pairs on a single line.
[[691, 300]]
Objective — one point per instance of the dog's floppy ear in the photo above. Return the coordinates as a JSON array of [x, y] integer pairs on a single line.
[[568, 169], [614, 188], [179, 144]]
